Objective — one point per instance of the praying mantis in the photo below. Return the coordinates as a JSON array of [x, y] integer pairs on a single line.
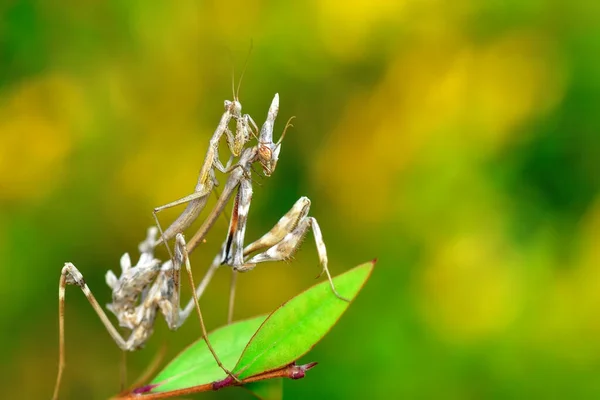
[[149, 287]]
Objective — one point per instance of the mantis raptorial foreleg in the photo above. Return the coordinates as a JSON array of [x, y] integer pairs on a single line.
[[281, 242]]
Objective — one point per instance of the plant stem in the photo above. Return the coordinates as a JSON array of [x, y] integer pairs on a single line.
[[291, 371]]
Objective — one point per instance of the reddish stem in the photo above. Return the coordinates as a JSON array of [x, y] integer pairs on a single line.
[[291, 371]]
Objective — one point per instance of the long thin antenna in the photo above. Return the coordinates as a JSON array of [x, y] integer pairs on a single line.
[[237, 94], [232, 61], [287, 125], [233, 78]]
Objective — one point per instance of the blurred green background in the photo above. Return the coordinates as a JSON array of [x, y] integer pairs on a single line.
[[457, 142]]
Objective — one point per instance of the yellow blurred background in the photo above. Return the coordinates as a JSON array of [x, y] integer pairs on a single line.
[[457, 142]]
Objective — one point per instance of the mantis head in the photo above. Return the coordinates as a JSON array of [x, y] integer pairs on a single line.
[[268, 151], [234, 107]]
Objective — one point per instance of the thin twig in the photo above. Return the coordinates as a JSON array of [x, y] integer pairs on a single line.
[[291, 371]]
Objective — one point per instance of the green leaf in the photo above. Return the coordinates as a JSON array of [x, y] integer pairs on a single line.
[[282, 337], [296, 326], [196, 366], [270, 389]]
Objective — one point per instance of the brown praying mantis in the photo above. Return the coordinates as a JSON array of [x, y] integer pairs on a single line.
[[150, 287], [147, 288]]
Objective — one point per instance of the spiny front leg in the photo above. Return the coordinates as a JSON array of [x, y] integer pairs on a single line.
[[285, 225], [292, 233]]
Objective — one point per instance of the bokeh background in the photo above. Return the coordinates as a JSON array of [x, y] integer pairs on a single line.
[[458, 142]]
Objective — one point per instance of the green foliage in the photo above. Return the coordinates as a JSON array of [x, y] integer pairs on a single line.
[[456, 141], [196, 365], [295, 327], [283, 337]]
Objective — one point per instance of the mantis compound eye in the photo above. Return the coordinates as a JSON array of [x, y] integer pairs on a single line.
[[265, 154]]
